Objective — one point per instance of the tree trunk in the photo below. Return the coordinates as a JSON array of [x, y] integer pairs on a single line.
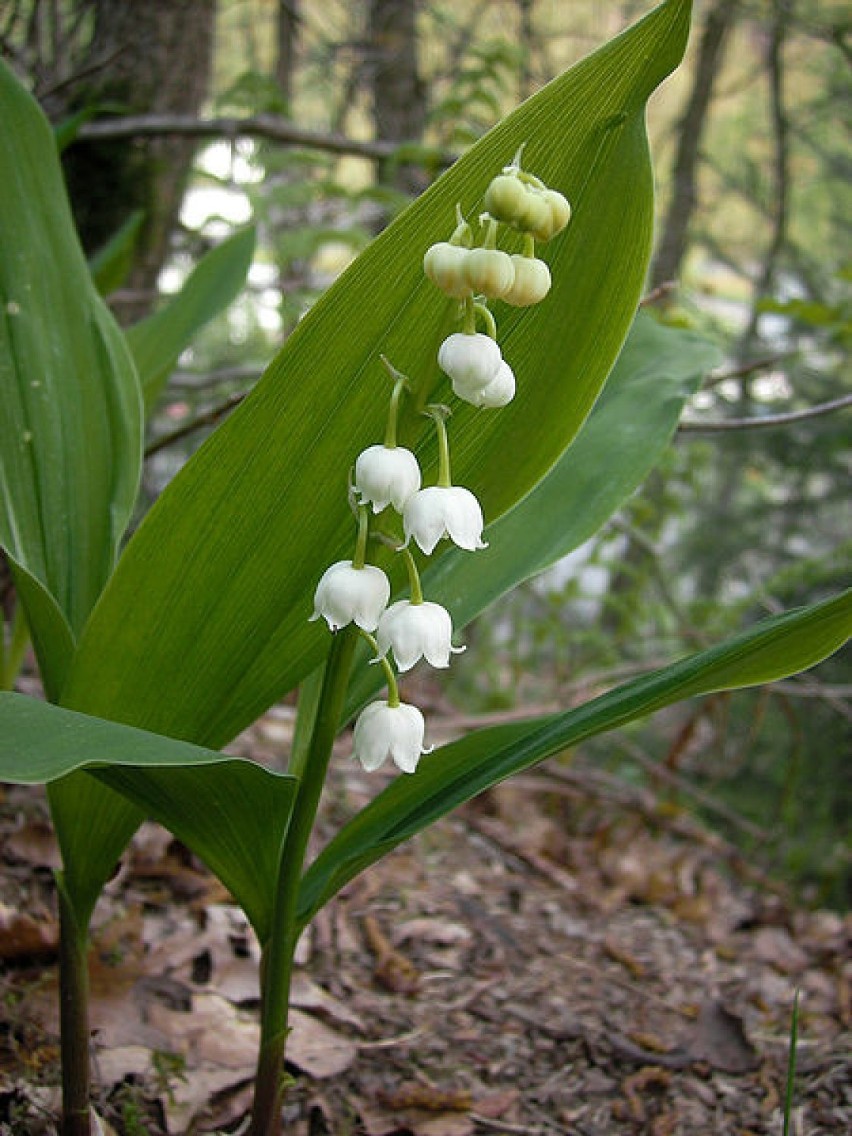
[[289, 19], [398, 92], [152, 57], [684, 197]]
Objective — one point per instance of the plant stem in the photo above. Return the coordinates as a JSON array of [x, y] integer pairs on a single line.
[[438, 415], [73, 1017], [400, 385], [277, 962], [791, 1066], [414, 585], [390, 677], [359, 557]]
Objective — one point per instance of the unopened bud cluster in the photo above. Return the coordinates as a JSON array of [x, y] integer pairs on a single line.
[[387, 476], [462, 268]]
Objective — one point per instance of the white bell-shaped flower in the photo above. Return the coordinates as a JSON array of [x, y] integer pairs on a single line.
[[440, 511], [415, 631], [386, 475], [499, 392], [472, 359], [384, 731], [346, 594]]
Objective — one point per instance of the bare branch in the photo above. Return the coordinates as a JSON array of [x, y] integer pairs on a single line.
[[768, 422], [747, 369], [209, 418], [269, 126]]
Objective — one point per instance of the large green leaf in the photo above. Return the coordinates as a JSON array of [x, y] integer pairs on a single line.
[[70, 412], [619, 443], [205, 621], [456, 772], [238, 815], [217, 279]]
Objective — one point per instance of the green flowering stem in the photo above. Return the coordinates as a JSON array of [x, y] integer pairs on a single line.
[[414, 587], [390, 677], [73, 1016], [791, 1065], [469, 318], [484, 313], [489, 240], [359, 557], [401, 383], [279, 949], [462, 235], [439, 413], [530, 179], [529, 246]]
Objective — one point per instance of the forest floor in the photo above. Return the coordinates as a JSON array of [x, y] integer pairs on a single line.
[[566, 955]]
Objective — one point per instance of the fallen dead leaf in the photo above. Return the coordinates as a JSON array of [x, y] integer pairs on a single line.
[[307, 995], [775, 946], [441, 931], [211, 1031], [23, 936], [426, 1097], [719, 1039], [34, 843], [315, 1049]]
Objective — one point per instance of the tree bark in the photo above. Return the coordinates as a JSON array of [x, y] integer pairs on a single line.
[[398, 92], [153, 58], [288, 26], [780, 206], [684, 197]]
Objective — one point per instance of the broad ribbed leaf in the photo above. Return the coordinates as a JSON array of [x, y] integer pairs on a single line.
[[70, 413], [456, 772], [619, 443], [231, 812], [227, 560], [217, 279]]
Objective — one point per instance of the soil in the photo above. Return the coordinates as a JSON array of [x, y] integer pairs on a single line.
[[565, 955]]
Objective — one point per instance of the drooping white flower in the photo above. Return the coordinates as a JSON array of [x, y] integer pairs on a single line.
[[471, 359], [440, 511], [386, 475], [347, 594], [415, 631], [384, 731], [499, 392]]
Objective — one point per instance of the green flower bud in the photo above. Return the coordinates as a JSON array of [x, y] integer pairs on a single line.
[[536, 218], [444, 264], [560, 210], [505, 198], [532, 282], [489, 272]]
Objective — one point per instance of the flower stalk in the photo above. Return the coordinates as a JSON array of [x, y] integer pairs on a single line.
[[390, 677], [400, 385], [414, 586], [279, 949], [359, 557], [438, 414]]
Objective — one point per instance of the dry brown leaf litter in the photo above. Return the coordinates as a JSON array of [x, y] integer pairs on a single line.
[[539, 963]]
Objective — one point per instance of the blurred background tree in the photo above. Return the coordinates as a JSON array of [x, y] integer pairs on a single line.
[[184, 119]]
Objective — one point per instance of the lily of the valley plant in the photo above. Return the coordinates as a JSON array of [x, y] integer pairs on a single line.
[[448, 379]]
